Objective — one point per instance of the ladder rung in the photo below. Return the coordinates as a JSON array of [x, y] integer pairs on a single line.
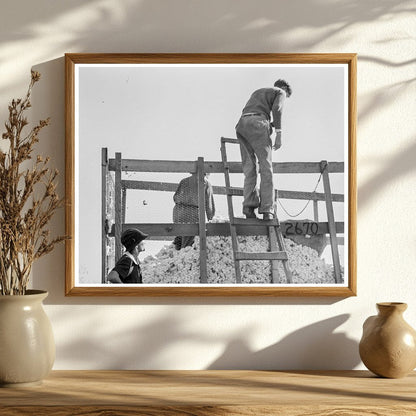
[[227, 140], [255, 221], [269, 255]]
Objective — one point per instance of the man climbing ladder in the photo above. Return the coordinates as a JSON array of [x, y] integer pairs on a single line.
[[253, 132]]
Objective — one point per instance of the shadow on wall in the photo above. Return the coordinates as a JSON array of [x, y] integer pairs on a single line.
[[48, 100], [268, 22], [142, 347], [160, 342], [313, 347], [397, 166]]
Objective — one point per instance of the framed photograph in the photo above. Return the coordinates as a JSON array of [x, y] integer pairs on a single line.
[[211, 174]]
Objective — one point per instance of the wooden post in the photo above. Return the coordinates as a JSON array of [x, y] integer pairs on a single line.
[[202, 224], [123, 204], [104, 238], [273, 242], [331, 221], [281, 246], [117, 208], [273, 247], [315, 211]]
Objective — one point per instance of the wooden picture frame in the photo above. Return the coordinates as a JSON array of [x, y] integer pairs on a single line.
[[89, 81]]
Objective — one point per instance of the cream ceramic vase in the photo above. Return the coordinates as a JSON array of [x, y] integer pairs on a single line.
[[388, 345], [27, 347]]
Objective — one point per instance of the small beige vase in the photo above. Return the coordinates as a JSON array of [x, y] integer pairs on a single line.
[[388, 345], [27, 347]]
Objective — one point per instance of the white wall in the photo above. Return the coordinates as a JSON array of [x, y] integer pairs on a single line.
[[201, 333]]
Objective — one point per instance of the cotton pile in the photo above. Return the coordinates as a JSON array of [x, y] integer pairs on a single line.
[[172, 266]]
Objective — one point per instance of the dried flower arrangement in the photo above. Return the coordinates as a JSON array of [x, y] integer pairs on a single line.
[[28, 199]]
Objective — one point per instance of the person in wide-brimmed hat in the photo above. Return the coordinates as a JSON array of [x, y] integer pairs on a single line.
[[127, 268]]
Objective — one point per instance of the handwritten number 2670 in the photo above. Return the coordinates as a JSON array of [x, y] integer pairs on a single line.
[[301, 228]]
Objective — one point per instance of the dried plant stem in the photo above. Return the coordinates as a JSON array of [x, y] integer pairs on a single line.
[[23, 217]]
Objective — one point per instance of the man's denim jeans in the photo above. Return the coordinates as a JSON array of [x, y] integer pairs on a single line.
[[253, 133]]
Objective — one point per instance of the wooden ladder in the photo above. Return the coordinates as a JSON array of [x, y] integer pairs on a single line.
[[277, 248]]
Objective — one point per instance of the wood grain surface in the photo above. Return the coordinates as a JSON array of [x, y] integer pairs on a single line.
[[203, 393]]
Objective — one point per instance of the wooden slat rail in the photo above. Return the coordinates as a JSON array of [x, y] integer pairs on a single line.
[[220, 190], [158, 231], [180, 166], [269, 255], [213, 392]]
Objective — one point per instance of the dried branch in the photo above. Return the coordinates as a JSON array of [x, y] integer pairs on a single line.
[[24, 217]]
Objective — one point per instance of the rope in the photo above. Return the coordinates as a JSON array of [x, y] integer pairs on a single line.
[[303, 209]]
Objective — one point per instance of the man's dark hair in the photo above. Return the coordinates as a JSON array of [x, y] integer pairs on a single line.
[[281, 83]]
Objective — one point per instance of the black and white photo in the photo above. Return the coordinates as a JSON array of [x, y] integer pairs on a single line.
[[207, 174]]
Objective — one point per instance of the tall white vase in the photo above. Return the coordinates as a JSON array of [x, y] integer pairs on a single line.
[[27, 346]]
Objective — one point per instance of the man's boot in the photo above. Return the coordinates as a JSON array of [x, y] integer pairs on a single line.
[[249, 212]]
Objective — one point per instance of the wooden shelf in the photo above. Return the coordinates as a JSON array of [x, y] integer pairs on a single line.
[[203, 393]]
